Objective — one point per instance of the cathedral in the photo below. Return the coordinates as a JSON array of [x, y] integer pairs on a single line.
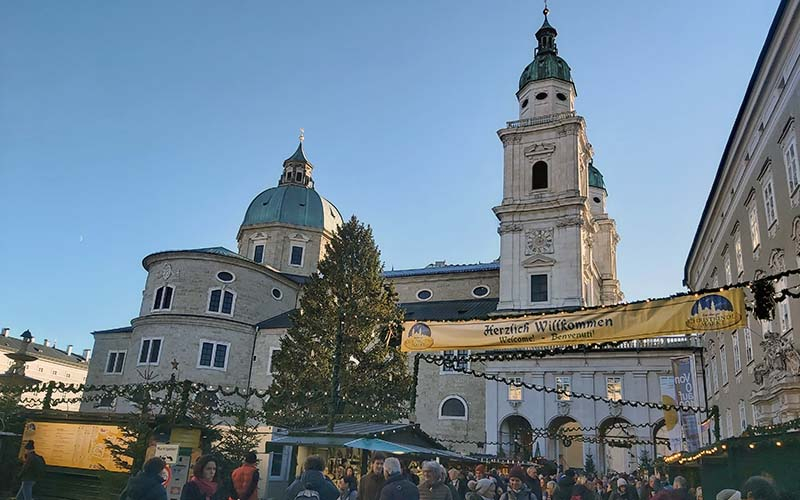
[[216, 316]]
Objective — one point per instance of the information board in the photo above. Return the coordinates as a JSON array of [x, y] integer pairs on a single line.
[[82, 446]]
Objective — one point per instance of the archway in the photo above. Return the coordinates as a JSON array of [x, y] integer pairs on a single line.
[[516, 438], [566, 452], [614, 432]]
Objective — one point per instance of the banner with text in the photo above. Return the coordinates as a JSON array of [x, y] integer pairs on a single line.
[[669, 398], [683, 368], [654, 318]]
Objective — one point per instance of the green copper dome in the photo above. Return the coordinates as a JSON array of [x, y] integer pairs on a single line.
[[546, 62], [295, 205], [595, 177]]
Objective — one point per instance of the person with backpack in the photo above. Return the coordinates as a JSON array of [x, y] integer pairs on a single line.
[[32, 471], [312, 483], [245, 478], [148, 484]]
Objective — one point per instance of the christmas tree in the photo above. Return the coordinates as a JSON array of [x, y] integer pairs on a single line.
[[338, 361]]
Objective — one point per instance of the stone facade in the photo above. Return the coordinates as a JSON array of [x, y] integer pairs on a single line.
[[750, 228]]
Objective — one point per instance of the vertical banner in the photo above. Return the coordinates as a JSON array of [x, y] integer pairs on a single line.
[[671, 416], [683, 369]]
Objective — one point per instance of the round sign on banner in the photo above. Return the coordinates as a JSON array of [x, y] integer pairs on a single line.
[[168, 469]]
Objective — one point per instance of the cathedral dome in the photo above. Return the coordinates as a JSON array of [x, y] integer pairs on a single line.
[[295, 205], [595, 177]]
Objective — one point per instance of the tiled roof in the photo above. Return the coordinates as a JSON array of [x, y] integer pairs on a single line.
[[446, 269], [444, 310], [40, 351], [124, 329]]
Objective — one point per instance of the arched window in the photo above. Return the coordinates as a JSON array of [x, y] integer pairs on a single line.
[[221, 301], [163, 298], [453, 408], [539, 175]]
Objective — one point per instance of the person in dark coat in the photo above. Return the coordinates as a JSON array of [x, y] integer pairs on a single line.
[[205, 483], [369, 488], [312, 478], [148, 483], [32, 472], [623, 491], [564, 486], [397, 487], [517, 489], [459, 482], [533, 482], [681, 485]]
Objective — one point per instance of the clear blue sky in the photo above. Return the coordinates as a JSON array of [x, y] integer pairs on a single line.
[[136, 126]]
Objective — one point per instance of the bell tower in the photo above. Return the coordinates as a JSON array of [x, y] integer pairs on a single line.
[[546, 220]]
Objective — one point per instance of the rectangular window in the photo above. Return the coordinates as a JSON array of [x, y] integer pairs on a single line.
[[258, 254], [227, 302], [714, 373], [784, 316], [115, 362], [614, 388], [742, 416], [213, 303], [159, 296], [792, 166], [563, 384], [296, 258], [728, 274], [539, 288], [163, 299], [272, 351], [455, 360], [515, 392], [150, 351], [723, 364], [739, 259], [755, 235], [275, 460], [769, 203], [213, 355], [729, 422], [748, 344], [737, 354]]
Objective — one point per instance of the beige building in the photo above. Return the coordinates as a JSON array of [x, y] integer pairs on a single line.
[[750, 228], [51, 365]]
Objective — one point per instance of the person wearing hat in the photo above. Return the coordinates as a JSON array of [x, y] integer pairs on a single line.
[[245, 478], [517, 489], [729, 494], [622, 491], [32, 471], [482, 489]]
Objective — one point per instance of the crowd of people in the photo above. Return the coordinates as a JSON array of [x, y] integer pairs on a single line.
[[388, 479]]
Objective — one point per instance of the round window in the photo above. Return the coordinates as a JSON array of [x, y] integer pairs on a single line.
[[525, 103], [561, 97], [480, 291], [277, 294], [225, 276], [424, 294], [596, 199], [541, 96]]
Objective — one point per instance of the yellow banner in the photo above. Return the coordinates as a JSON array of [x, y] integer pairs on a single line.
[[655, 318]]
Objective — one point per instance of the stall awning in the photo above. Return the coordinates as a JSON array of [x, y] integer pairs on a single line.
[[402, 449], [320, 441]]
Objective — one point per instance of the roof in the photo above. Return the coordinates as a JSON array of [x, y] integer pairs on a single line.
[[357, 429], [40, 351], [546, 62], [209, 250], [282, 320], [299, 155], [739, 117], [124, 329], [445, 269], [444, 310], [295, 205], [595, 177]]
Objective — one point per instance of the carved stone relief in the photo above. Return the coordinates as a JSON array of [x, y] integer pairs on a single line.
[[509, 227], [780, 356]]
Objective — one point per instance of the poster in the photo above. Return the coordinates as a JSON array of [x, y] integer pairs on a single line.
[[82, 446], [671, 420], [679, 315], [685, 376]]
